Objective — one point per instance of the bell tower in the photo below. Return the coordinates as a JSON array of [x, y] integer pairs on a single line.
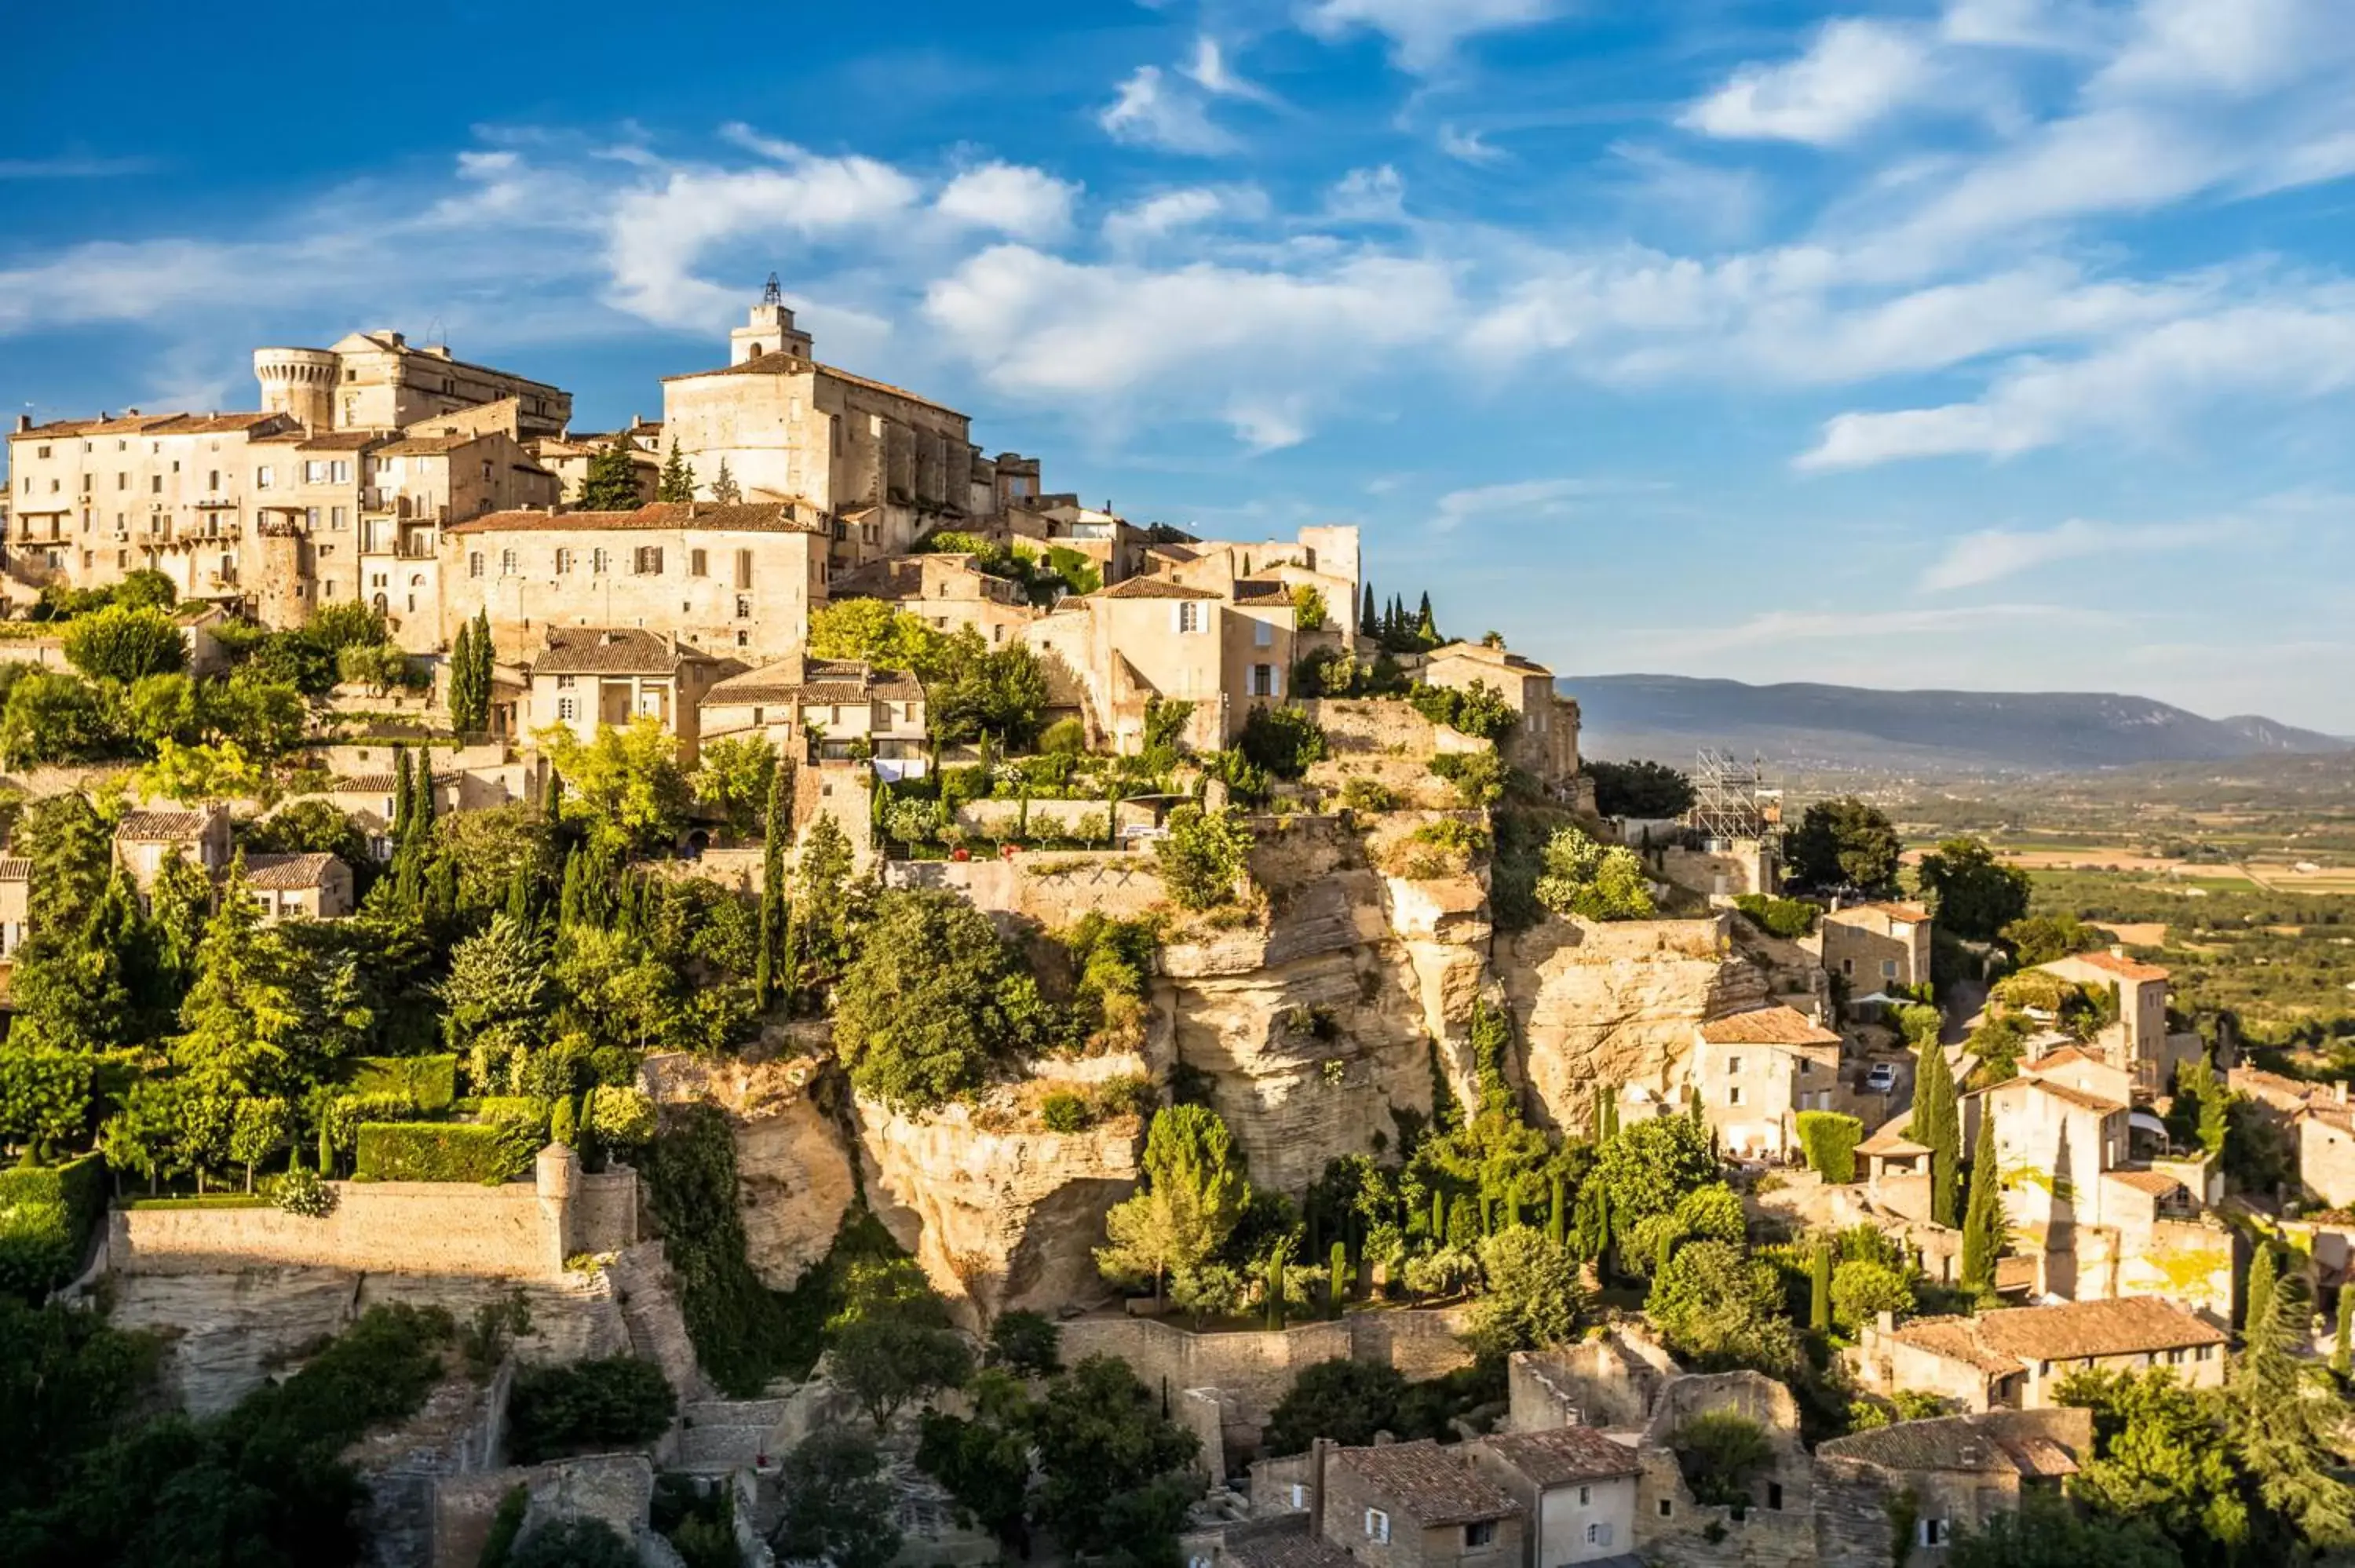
[[769, 329]]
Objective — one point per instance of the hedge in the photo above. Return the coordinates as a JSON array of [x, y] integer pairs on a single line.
[[47, 1214], [527, 1111], [1830, 1140], [441, 1151], [203, 1201], [1789, 919], [427, 1083]]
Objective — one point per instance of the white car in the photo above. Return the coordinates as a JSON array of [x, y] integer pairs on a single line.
[[1881, 1078]]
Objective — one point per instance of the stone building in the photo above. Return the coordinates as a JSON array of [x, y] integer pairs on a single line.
[[1961, 1470], [15, 901], [315, 886], [1576, 1488], [2139, 1042], [1150, 638], [1544, 743], [824, 710], [589, 676], [144, 841], [380, 381], [946, 591], [1416, 1505], [567, 457], [1324, 558], [2014, 1358], [737, 580], [1877, 947], [1757, 1070], [883, 464]]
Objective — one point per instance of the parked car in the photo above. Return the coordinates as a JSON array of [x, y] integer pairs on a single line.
[[1881, 1078]]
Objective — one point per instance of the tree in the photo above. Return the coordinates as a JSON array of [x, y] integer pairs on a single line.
[[1115, 1467], [1719, 1451], [1281, 739], [932, 1004], [2257, 1298], [265, 1016], [576, 1543], [2040, 939], [1640, 789], [732, 777], [2160, 1455], [1863, 1289], [1027, 1343], [45, 1098], [52, 716], [122, 645], [1720, 1310], [1210, 1291], [2047, 1533], [1843, 842], [496, 997], [906, 1351], [1819, 1288], [1203, 857], [1530, 1298], [1983, 1227], [2286, 1418], [724, 489], [984, 1460], [611, 480], [1347, 1400], [677, 482], [1937, 1126], [309, 827], [1648, 1168], [378, 666], [774, 906], [980, 690], [625, 785], [840, 1509], [1194, 1193], [1580, 876], [1977, 895]]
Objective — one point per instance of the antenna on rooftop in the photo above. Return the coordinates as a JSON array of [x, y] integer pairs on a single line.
[[436, 334], [774, 294]]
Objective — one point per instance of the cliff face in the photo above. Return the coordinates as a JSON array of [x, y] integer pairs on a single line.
[[793, 1179], [999, 1218], [1616, 1003]]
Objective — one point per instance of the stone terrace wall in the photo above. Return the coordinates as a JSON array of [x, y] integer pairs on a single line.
[[1257, 1369], [1053, 888], [1384, 724], [507, 1231]]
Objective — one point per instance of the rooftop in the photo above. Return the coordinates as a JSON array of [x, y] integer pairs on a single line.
[[780, 363], [1953, 1339], [1502, 657], [1890, 1139], [800, 679], [1428, 1482], [2032, 1444], [767, 517], [1284, 1541], [1564, 1454], [1776, 1025], [2127, 1326], [613, 651], [2158, 1184], [162, 827], [1912, 914], [1150, 588], [288, 872], [154, 425], [2117, 964], [2065, 1093]]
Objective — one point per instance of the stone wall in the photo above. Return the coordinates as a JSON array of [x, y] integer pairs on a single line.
[[1257, 1368], [1383, 725], [615, 1488], [1610, 1379]]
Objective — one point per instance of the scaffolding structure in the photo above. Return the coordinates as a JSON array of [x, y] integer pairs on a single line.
[[1730, 798]]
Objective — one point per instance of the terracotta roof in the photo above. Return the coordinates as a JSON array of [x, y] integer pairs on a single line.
[[2015, 1441], [330, 440], [1428, 1482], [2067, 1093], [1953, 1339], [428, 446], [2127, 1326], [1776, 1025], [15, 868], [1150, 588], [612, 651], [1564, 1454], [1486, 655], [2158, 1184], [288, 872], [800, 679], [767, 517], [780, 363], [2015, 1273], [1914, 914], [373, 783], [161, 827], [154, 425], [1284, 1541], [1251, 590], [2066, 1054], [1892, 1139], [2266, 1085], [2111, 963]]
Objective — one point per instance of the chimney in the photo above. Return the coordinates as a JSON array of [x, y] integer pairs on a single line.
[[1319, 1451], [2117, 950], [24, 423], [1886, 1322], [130, 413], [2338, 1091]]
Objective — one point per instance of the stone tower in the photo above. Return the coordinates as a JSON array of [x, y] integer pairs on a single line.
[[769, 329], [298, 381]]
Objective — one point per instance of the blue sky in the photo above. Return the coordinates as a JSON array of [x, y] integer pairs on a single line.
[[1995, 344]]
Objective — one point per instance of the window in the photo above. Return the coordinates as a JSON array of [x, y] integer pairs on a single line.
[[1377, 1525], [599, 560], [646, 560], [568, 708], [695, 563], [212, 479], [1585, 1496], [154, 485], [122, 482], [1190, 617], [506, 563], [1774, 1496], [1734, 1095], [1479, 1533], [565, 682], [1299, 1492], [1263, 681], [1933, 1532], [474, 563], [341, 472], [1598, 1533], [743, 568], [310, 518], [1667, 1508], [1847, 966], [315, 473], [563, 562], [261, 478], [1263, 635], [743, 607], [337, 518]]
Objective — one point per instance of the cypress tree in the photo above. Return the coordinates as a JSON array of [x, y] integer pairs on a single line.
[[421, 798], [1937, 1126], [1427, 630], [519, 895], [441, 889], [1819, 1288], [568, 901], [403, 807], [1367, 616], [677, 482], [1556, 1218], [1593, 1220], [1336, 1283], [773, 889], [551, 804], [2341, 1351], [1438, 1217], [2265, 1271], [486, 659], [462, 677], [789, 960], [1983, 1221]]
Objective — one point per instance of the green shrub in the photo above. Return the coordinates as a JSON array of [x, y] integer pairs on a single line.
[[1369, 795], [300, 1191], [526, 1113], [1830, 1140], [1789, 919], [1479, 711], [617, 1401], [1284, 740], [1064, 737], [203, 1201], [1064, 1111], [1478, 775], [426, 1083], [441, 1151], [1202, 857], [498, 1545], [47, 1214]]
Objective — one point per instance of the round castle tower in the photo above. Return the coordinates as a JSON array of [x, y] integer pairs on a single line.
[[298, 381]]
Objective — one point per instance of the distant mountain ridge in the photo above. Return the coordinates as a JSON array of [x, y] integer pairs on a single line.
[[1626, 715]]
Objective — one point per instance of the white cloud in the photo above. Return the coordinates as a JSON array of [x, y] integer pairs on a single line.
[[2280, 351], [1507, 503], [2232, 46], [1854, 74], [1994, 553], [1011, 198], [1467, 146], [1153, 112], [1168, 213], [1423, 32], [74, 167], [1368, 196], [1209, 71]]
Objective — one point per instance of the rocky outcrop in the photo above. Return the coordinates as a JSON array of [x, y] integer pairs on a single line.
[[998, 1218], [1615, 1003], [793, 1180]]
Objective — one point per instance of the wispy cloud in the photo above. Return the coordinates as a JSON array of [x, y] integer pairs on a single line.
[[1854, 74], [1781, 628], [73, 167], [1423, 34], [1993, 554], [1467, 146], [1153, 110]]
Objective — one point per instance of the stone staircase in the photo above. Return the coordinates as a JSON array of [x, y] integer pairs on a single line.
[[717, 1435]]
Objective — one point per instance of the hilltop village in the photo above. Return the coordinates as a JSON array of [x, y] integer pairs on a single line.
[[761, 988]]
